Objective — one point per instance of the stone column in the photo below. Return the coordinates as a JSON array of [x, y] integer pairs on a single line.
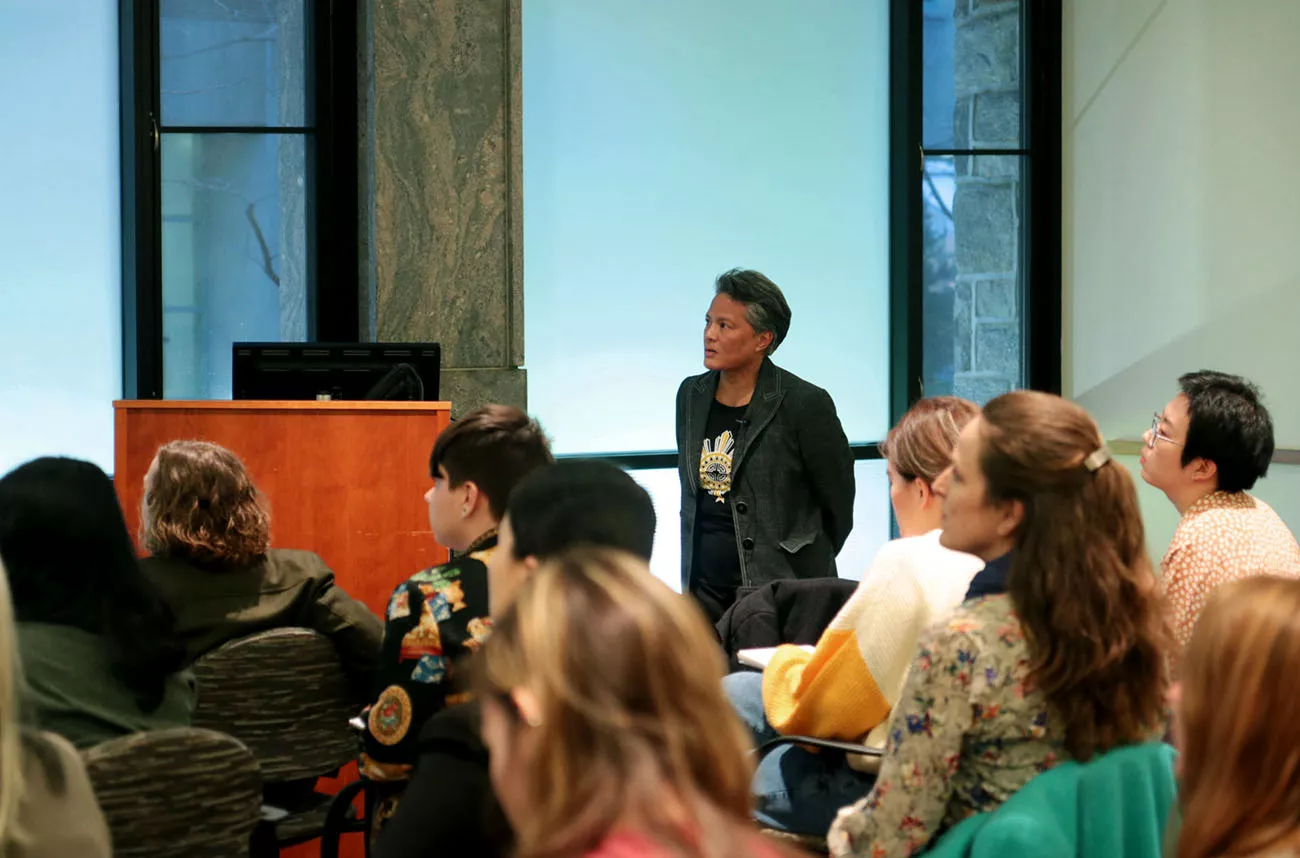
[[442, 188], [986, 202]]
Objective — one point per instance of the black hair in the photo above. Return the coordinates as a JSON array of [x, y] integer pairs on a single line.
[[493, 447], [580, 502], [1229, 425], [70, 562], [765, 305]]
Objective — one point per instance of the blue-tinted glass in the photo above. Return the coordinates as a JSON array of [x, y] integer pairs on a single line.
[[234, 252], [234, 62], [667, 142], [972, 276], [970, 86], [60, 230]]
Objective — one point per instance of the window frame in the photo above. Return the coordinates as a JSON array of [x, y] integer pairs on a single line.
[[333, 262]]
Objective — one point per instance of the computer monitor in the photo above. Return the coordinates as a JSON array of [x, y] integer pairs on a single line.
[[395, 371]]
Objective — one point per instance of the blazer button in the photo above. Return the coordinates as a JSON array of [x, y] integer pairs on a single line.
[[742, 507], [747, 544]]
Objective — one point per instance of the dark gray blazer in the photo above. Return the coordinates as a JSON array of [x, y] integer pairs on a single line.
[[792, 477]]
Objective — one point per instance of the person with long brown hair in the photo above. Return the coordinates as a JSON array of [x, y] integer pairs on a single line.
[[1059, 649], [1237, 724], [608, 731], [208, 532], [846, 686]]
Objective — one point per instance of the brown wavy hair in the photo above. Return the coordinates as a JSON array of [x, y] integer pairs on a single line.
[[920, 445], [200, 505], [1239, 723], [1080, 578], [633, 720]]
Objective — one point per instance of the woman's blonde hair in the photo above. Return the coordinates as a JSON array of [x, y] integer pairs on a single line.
[[12, 781], [1239, 723], [633, 721], [200, 505], [920, 445]]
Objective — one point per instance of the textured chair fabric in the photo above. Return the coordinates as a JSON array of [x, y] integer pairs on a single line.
[[177, 793], [284, 694]]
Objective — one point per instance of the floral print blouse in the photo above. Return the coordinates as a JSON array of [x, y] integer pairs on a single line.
[[967, 733]]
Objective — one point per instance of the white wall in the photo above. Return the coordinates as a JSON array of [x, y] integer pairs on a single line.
[[1181, 211]]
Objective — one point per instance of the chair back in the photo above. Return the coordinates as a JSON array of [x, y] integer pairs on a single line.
[[284, 694], [177, 793]]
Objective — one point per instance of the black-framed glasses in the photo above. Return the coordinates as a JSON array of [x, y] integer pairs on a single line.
[[1157, 435]]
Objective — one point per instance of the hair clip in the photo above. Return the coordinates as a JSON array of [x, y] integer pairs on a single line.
[[1097, 458]]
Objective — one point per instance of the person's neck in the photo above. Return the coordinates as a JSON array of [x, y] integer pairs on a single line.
[[1001, 548], [736, 386], [925, 522], [1185, 499], [480, 525]]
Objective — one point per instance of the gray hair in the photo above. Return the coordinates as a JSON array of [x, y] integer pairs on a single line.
[[765, 307]]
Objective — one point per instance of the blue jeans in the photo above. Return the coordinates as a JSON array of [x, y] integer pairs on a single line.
[[794, 789]]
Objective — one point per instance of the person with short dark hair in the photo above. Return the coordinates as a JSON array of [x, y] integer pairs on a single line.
[[450, 802], [765, 468], [1208, 446], [441, 613], [97, 642], [208, 532]]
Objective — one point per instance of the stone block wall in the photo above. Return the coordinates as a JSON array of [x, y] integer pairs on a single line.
[[986, 202]]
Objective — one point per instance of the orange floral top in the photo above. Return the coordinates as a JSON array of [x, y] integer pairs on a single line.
[[967, 733], [1222, 537]]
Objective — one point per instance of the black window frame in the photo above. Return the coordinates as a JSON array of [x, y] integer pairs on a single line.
[[333, 265]]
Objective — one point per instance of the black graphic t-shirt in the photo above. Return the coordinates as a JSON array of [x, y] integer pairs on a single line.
[[716, 558]]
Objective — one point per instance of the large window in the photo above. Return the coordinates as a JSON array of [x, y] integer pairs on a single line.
[[667, 142], [237, 237], [60, 294]]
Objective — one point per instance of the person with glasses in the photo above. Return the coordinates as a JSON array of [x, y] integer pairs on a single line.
[[1208, 446]]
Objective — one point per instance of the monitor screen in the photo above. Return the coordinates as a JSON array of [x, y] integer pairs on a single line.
[[405, 371]]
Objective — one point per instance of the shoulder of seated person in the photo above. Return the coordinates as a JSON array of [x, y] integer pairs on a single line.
[[459, 723]]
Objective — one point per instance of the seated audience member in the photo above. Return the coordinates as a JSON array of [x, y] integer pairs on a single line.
[[1209, 445], [47, 805], [441, 613], [1237, 724], [450, 801], [609, 736], [1059, 649], [97, 642], [846, 687], [208, 531]]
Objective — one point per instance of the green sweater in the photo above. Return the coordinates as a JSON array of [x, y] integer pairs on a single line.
[[1115, 806], [71, 689]]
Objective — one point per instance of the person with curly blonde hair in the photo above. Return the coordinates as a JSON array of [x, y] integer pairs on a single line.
[[208, 532]]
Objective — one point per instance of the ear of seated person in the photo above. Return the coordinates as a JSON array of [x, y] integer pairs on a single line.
[[208, 532], [98, 649], [1067, 612], [846, 686], [449, 800]]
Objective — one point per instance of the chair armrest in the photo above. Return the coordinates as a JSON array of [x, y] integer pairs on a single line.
[[830, 744]]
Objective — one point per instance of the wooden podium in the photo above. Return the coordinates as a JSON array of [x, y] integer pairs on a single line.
[[343, 479]]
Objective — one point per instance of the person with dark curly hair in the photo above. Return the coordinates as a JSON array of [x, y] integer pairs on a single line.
[[208, 532]]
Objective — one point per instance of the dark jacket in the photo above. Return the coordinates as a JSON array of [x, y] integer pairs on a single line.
[[449, 807], [791, 481], [71, 688], [783, 612], [284, 589]]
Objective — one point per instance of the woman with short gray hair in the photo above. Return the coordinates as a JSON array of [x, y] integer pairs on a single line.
[[765, 468]]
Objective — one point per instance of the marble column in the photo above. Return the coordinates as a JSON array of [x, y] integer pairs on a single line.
[[442, 188]]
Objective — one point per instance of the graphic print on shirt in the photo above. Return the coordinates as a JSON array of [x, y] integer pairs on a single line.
[[715, 465]]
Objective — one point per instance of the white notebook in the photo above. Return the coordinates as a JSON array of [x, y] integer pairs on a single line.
[[759, 656]]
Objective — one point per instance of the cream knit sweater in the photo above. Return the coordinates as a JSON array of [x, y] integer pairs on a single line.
[[845, 688]]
